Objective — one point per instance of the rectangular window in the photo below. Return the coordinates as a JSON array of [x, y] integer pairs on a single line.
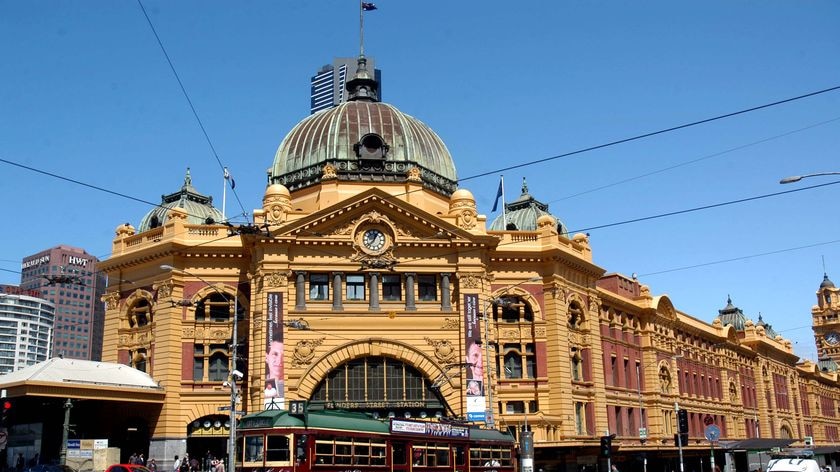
[[198, 363], [579, 418], [391, 287], [427, 288], [530, 361], [319, 287], [355, 287]]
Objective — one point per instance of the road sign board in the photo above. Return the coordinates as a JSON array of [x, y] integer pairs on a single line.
[[707, 420], [642, 433], [224, 408], [712, 433]]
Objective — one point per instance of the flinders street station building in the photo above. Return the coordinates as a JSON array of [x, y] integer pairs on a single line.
[[368, 281]]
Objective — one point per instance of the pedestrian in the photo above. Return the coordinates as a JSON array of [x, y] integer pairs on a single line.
[[177, 465], [132, 459], [20, 463], [141, 459], [152, 466], [613, 468], [194, 465]]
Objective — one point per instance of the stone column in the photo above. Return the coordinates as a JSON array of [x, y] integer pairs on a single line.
[[409, 292], [337, 292], [300, 290], [374, 292], [445, 293]]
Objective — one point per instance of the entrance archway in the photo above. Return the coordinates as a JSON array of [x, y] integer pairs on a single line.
[[207, 439]]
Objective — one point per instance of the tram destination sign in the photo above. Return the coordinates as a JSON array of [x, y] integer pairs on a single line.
[[428, 428]]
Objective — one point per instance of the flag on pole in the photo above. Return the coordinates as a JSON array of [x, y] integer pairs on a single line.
[[498, 196], [368, 6], [228, 176]]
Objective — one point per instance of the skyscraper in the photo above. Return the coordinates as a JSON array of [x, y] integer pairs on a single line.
[[67, 277], [328, 84], [26, 322]]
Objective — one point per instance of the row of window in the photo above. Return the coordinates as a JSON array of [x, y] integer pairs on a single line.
[[355, 287]]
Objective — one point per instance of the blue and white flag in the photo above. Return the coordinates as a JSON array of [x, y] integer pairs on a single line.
[[368, 6], [228, 176], [499, 194]]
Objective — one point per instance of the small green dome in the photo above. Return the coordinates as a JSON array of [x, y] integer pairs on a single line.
[[199, 208], [523, 213]]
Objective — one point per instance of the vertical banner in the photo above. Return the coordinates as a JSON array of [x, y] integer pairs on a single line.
[[274, 385], [474, 360]]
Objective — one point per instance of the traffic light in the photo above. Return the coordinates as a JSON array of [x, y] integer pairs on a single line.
[[7, 407], [606, 445], [682, 421], [681, 440]]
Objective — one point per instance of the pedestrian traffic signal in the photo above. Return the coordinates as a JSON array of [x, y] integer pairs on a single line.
[[681, 440], [606, 445], [682, 421]]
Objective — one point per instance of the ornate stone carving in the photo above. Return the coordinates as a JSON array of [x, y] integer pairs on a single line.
[[112, 300], [188, 333], [164, 290], [276, 279], [509, 334], [276, 207], [450, 323], [539, 331], [329, 172], [413, 175], [305, 351], [470, 280], [445, 352], [344, 230]]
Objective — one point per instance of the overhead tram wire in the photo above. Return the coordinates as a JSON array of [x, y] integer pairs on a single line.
[[192, 107], [740, 258], [653, 133], [692, 161]]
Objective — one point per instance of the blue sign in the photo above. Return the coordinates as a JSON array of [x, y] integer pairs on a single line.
[[74, 444], [712, 433]]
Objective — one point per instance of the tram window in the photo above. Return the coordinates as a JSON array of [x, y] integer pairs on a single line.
[[277, 449], [459, 454], [398, 453], [324, 452], [343, 452], [377, 454], [253, 449]]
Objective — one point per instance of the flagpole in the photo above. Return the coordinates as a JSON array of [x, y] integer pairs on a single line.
[[361, 28], [224, 193], [504, 210]]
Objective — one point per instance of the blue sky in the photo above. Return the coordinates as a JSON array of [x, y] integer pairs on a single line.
[[87, 93]]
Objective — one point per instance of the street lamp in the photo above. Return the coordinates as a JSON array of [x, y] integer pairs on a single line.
[[489, 419], [234, 375], [797, 178]]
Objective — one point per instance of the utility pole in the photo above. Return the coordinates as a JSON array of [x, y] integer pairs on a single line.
[[65, 433]]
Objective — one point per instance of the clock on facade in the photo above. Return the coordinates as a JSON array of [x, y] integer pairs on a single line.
[[373, 239], [832, 338]]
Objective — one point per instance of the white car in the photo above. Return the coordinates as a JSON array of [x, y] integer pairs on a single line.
[[793, 465]]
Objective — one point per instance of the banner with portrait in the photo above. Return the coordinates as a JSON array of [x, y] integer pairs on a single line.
[[474, 361], [274, 368]]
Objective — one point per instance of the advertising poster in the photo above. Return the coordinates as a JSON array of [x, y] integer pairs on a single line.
[[274, 352], [474, 359]]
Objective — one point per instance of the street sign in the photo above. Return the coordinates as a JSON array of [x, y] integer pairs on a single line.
[[642, 433], [712, 433], [708, 420], [224, 408]]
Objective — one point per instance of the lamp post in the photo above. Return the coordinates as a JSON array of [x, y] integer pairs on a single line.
[[797, 178], [489, 412], [234, 375], [641, 409]]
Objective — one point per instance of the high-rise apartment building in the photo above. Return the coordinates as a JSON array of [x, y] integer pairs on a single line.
[[67, 277], [328, 85], [26, 322]]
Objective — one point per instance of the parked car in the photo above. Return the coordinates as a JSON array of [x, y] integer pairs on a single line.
[[126, 468], [51, 468]]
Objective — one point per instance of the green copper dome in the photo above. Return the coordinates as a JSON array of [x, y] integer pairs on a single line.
[[364, 141], [199, 208], [523, 213]]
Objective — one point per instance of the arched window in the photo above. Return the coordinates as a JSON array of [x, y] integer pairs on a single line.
[[379, 384], [213, 307], [514, 310], [140, 313], [210, 362]]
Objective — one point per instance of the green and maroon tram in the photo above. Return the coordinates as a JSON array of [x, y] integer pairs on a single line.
[[340, 441]]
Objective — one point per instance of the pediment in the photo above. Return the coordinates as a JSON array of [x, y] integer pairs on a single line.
[[359, 221]]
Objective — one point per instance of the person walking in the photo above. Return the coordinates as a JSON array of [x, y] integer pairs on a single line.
[[152, 466], [177, 466]]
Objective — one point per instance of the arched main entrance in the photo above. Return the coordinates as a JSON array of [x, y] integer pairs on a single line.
[[207, 438], [382, 386]]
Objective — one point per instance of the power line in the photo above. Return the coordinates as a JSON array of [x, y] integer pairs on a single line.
[[192, 107], [733, 259], [692, 161], [704, 207], [647, 135]]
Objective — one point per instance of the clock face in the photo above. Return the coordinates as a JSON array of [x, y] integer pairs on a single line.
[[373, 239], [832, 338]]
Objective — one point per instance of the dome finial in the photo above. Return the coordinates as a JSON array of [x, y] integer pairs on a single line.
[[524, 186], [187, 178], [363, 87]]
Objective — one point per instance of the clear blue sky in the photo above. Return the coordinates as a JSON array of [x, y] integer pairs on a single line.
[[87, 93]]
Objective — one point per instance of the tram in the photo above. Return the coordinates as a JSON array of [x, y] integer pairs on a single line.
[[342, 441]]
